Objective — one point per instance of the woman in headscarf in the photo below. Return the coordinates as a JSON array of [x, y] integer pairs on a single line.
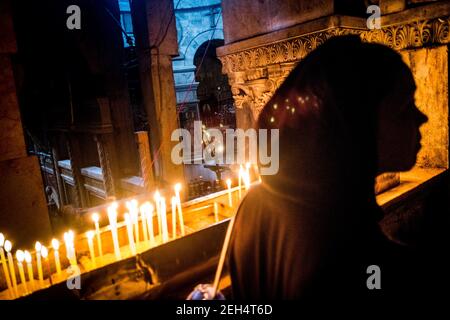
[[346, 113]]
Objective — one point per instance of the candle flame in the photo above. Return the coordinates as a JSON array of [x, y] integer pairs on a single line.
[[229, 183], [177, 187], [44, 252], [27, 255], [157, 196], [55, 244], [8, 246], [38, 246], [20, 256], [2, 239], [90, 235], [95, 217]]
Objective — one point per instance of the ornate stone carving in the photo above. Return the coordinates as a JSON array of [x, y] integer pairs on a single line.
[[254, 74]]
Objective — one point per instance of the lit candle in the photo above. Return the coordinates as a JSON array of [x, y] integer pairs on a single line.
[[96, 218], [132, 207], [20, 256], [216, 212], [55, 246], [8, 247], [165, 234], [157, 199], [38, 248], [174, 217], [44, 254], [130, 233], [230, 200], [144, 224], [112, 216], [70, 248], [5, 267], [177, 189], [90, 238], [148, 209], [241, 173], [28, 260]]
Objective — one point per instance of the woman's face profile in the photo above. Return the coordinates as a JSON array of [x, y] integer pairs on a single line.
[[399, 120]]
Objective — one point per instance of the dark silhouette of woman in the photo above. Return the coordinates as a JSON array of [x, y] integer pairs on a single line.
[[346, 113]]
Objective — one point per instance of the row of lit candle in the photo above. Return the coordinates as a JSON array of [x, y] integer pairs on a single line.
[[144, 213]]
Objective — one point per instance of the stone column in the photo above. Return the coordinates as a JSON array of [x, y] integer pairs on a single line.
[[23, 211], [156, 42]]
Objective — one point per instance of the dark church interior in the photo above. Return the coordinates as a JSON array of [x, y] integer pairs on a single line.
[[97, 202]]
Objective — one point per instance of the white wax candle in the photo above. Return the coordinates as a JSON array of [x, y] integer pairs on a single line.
[[28, 260], [38, 248], [216, 212], [177, 189], [70, 248], [20, 256], [8, 247], [144, 224], [148, 209], [130, 233], [165, 234], [55, 246], [96, 219], [4, 266], [90, 238], [241, 172], [112, 216], [174, 217], [157, 199], [44, 254], [230, 200]]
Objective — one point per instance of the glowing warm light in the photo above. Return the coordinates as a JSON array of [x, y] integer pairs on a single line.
[[28, 260], [216, 212], [230, 200], [38, 248], [8, 247], [275, 106], [130, 233], [20, 256], [165, 234], [70, 249], [177, 189], [27, 256], [157, 198], [44, 252], [5, 266], [173, 201], [272, 119], [112, 216], [90, 237], [147, 208], [96, 219], [55, 246]]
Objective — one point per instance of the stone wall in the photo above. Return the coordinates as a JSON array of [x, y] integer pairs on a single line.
[[23, 210]]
